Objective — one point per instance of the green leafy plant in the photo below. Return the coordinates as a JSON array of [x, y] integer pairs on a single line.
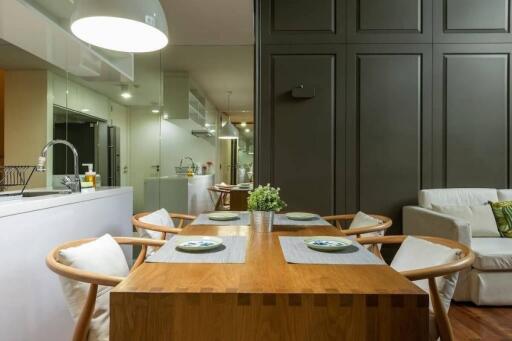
[[265, 198]]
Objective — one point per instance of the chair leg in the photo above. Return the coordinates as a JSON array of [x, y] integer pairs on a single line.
[[442, 322], [82, 325]]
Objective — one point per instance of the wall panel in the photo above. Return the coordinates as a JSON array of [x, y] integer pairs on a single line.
[[390, 21], [472, 21], [472, 114], [427, 89], [299, 149], [302, 21], [389, 127]]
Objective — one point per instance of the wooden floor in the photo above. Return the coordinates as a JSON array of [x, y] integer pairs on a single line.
[[470, 322]]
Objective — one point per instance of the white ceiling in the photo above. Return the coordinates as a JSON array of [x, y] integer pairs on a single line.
[[212, 40], [217, 69], [210, 22]]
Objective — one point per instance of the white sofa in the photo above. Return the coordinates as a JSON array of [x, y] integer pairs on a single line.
[[489, 282]]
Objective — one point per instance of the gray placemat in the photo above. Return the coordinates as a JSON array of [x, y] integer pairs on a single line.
[[203, 219], [231, 251], [281, 219], [295, 251]]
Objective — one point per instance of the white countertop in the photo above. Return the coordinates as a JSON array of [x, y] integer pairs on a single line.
[[180, 177], [29, 204]]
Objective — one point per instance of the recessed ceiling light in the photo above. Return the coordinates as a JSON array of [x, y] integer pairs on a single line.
[[207, 125], [121, 25], [85, 110], [247, 130], [166, 116], [155, 111], [126, 95], [243, 124], [212, 131]]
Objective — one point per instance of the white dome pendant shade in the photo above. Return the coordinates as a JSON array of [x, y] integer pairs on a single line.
[[228, 132], [121, 25]]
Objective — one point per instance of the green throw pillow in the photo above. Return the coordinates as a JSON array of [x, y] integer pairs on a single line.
[[503, 214]]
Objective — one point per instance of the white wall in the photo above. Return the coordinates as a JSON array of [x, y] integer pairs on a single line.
[[178, 142]]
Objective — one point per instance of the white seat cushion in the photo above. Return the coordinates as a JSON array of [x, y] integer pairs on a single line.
[[504, 194], [160, 218], [456, 196], [364, 220], [492, 253], [480, 218], [103, 256], [490, 288], [416, 253]]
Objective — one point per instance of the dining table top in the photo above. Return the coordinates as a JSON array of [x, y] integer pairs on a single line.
[[265, 270]]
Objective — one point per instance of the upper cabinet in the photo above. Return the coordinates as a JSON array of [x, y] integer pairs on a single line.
[[73, 96], [390, 21], [184, 100], [472, 21], [302, 21]]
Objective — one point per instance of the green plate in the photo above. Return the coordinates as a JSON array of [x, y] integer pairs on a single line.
[[301, 216], [223, 216], [327, 243]]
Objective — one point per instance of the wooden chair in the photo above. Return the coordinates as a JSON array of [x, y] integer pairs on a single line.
[[164, 230], [442, 322], [358, 231], [94, 279], [338, 220], [223, 197]]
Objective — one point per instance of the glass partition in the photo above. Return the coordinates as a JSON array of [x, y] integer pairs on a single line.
[[150, 121]]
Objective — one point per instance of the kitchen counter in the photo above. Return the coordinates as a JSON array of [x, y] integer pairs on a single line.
[[179, 193], [33, 305], [12, 206]]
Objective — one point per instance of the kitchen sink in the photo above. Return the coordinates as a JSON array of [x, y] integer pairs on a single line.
[[31, 194]]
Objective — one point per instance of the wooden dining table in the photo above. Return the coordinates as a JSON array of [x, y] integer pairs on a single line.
[[266, 298]]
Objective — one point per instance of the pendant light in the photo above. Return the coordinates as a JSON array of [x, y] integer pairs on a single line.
[[121, 25], [228, 130]]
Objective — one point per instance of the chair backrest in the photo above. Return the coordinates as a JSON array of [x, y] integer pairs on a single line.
[[338, 220], [431, 269], [88, 301], [181, 218], [456, 196]]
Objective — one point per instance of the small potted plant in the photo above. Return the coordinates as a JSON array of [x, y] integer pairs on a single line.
[[263, 202]]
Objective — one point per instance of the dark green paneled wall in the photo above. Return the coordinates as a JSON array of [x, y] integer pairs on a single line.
[[361, 103]]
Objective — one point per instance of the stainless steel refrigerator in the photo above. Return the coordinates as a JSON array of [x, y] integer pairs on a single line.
[[114, 156]]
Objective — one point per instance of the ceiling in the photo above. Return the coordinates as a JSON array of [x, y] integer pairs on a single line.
[[211, 40], [191, 22], [217, 69]]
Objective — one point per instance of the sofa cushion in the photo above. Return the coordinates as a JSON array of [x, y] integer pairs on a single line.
[[456, 196], [492, 253], [504, 194], [490, 288], [480, 218], [503, 214]]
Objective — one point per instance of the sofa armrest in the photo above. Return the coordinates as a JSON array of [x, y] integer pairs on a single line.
[[424, 222]]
